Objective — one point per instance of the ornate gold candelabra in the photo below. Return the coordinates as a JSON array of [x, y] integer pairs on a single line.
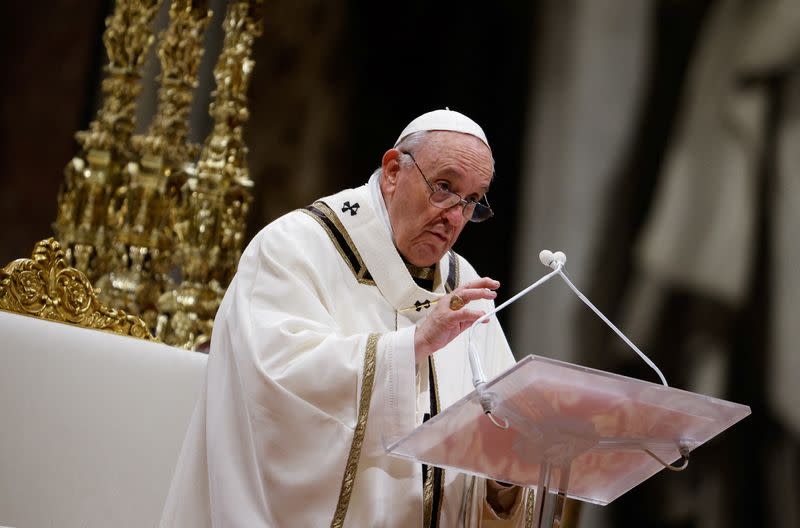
[[135, 210], [210, 222], [92, 176], [139, 212]]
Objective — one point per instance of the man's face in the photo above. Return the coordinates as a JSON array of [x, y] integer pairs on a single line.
[[424, 233]]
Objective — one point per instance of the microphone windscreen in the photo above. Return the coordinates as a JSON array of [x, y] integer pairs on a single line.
[[546, 257]]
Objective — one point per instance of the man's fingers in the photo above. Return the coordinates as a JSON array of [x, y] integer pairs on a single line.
[[483, 282], [477, 293], [466, 316], [469, 294], [482, 288]]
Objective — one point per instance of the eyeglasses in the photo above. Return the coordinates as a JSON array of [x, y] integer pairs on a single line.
[[445, 199]]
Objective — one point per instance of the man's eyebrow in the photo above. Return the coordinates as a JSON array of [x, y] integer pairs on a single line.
[[449, 172]]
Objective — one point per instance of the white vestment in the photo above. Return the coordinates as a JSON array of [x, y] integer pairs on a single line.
[[311, 374]]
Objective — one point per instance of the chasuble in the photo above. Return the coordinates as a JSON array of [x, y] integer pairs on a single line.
[[311, 374]]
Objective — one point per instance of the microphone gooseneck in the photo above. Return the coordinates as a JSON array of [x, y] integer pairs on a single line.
[[556, 261]]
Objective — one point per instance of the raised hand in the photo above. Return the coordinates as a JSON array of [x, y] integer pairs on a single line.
[[450, 316]]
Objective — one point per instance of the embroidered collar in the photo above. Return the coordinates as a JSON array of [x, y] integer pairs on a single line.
[[425, 277]]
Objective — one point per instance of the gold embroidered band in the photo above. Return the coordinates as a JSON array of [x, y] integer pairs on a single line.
[[349, 479], [323, 214]]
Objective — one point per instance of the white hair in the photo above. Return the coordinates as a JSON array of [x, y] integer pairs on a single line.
[[410, 144]]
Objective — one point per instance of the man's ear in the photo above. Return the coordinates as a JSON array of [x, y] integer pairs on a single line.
[[391, 168]]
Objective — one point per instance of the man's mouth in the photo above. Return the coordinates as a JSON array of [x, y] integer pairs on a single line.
[[441, 236]]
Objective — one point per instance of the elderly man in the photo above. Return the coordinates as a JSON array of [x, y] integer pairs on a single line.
[[341, 332]]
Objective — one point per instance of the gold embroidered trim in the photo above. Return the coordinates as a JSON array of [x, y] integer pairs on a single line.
[[362, 273], [466, 507], [438, 512], [454, 273], [45, 286], [427, 489], [530, 499], [367, 383], [426, 273], [427, 499]]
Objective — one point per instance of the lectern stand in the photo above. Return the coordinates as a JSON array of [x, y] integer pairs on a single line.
[[568, 431]]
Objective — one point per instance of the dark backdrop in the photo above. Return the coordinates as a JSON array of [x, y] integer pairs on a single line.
[[333, 86], [383, 64]]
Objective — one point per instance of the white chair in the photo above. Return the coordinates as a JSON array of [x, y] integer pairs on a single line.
[[92, 424]]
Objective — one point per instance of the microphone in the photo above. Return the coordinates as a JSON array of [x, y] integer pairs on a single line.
[[552, 260], [556, 261]]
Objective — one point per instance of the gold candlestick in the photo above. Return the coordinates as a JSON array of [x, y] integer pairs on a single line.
[[141, 210], [94, 174], [210, 223]]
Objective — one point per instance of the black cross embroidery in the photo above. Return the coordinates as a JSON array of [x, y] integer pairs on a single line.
[[422, 304], [352, 208]]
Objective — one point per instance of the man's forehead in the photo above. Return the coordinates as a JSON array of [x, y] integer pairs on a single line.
[[462, 164], [446, 146], [448, 169], [445, 140]]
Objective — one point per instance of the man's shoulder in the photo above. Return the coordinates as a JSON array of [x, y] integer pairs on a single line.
[[320, 211], [295, 230], [297, 220], [300, 228]]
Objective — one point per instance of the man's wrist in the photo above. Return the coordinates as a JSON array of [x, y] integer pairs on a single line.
[[420, 347]]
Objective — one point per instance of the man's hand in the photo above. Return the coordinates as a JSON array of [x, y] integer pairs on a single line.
[[444, 323], [501, 497]]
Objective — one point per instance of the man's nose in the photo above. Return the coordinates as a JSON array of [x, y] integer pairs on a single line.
[[454, 214]]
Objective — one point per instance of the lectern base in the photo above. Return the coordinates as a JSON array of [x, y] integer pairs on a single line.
[[551, 496]]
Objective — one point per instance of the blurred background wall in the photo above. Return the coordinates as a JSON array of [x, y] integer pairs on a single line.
[[656, 142]]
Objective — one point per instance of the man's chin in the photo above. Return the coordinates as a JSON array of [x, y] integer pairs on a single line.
[[427, 257]]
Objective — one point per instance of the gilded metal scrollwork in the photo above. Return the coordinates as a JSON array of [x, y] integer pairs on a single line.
[[93, 175], [139, 212], [210, 222], [45, 286]]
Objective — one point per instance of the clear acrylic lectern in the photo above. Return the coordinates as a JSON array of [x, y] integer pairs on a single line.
[[568, 430]]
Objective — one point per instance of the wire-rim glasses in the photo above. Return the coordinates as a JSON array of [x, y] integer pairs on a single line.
[[444, 199]]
